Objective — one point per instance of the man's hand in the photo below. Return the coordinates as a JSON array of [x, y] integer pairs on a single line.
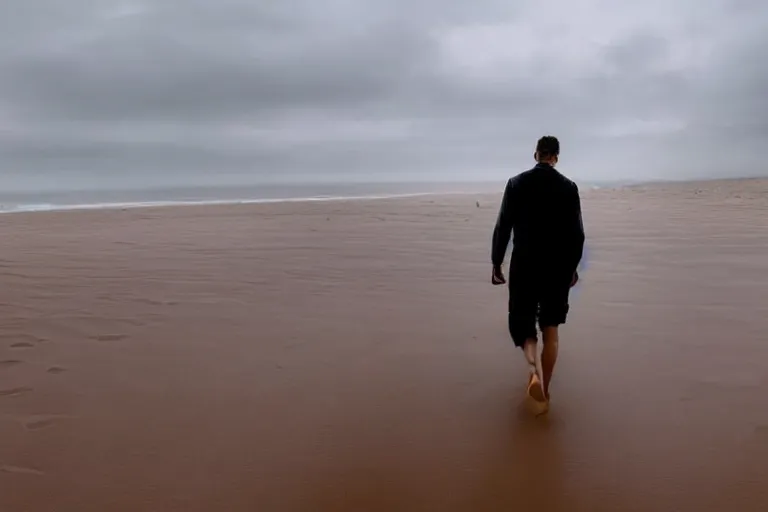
[[575, 279], [497, 276]]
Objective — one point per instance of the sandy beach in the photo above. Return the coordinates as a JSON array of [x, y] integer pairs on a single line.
[[353, 356]]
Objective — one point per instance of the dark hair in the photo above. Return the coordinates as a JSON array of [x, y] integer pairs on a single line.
[[548, 146]]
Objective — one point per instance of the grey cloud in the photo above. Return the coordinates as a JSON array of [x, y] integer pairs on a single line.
[[429, 87], [154, 75]]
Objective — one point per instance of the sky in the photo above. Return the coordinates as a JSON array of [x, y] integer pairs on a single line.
[[204, 91]]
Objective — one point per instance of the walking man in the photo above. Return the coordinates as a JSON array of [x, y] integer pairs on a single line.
[[541, 207]]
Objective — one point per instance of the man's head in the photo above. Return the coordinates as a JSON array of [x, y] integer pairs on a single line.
[[547, 150]]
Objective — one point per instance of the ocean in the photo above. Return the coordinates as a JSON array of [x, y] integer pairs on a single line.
[[53, 200]]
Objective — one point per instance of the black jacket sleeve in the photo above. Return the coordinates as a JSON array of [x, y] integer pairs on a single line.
[[575, 232], [504, 223]]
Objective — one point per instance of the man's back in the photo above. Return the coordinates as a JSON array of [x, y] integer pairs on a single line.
[[542, 208]]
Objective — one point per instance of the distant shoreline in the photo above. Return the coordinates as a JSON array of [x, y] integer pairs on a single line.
[[223, 202], [387, 191]]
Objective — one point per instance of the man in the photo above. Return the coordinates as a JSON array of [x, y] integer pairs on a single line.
[[543, 209]]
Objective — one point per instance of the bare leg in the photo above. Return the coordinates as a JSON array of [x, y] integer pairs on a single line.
[[529, 350], [535, 387], [549, 355]]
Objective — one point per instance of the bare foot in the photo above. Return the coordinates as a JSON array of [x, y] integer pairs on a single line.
[[537, 402], [535, 389]]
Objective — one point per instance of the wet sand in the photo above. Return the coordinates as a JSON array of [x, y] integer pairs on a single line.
[[354, 356]]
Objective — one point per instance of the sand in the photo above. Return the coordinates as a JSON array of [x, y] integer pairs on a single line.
[[353, 356]]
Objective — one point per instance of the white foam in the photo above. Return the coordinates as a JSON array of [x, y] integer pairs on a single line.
[[46, 207]]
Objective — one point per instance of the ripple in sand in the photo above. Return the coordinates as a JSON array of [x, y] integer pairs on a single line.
[[109, 337], [39, 423], [14, 391], [22, 340], [20, 471]]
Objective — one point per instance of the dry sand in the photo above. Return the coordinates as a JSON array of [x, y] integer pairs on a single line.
[[353, 356]]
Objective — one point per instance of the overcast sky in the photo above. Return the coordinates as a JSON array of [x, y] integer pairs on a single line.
[[370, 88]]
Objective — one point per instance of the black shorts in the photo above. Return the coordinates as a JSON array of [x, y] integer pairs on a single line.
[[532, 300]]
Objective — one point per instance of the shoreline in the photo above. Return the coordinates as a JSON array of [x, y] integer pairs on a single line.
[[122, 206], [441, 190], [586, 188]]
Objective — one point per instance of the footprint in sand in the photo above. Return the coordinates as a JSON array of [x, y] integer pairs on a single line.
[[55, 370], [22, 344], [14, 391], [8, 363]]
